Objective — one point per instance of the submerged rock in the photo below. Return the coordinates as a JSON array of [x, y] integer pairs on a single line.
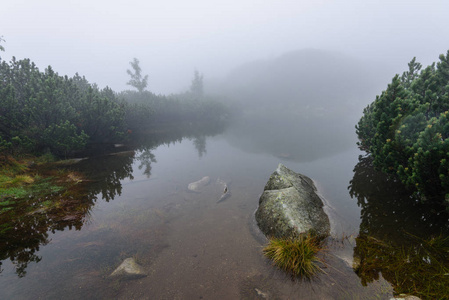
[[226, 191], [258, 286], [197, 185], [290, 207], [406, 297], [129, 269]]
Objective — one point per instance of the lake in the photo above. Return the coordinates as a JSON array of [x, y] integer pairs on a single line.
[[193, 247]]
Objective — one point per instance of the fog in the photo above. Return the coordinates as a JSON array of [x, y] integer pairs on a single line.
[[172, 38], [295, 76], [300, 106]]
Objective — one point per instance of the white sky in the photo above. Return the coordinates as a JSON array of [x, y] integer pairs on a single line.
[[173, 37]]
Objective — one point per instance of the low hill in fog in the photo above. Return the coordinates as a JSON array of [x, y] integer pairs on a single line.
[[311, 78], [302, 104]]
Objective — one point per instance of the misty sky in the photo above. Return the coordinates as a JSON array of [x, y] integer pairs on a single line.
[[173, 37]]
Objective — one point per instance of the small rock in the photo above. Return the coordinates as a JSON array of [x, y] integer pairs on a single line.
[[406, 297], [261, 294], [129, 269], [195, 186], [226, 191]]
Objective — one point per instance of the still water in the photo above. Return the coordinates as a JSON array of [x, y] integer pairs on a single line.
[[191, 246]]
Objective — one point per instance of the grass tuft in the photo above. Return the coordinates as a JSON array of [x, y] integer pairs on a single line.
[[20, 180], [296, 256]]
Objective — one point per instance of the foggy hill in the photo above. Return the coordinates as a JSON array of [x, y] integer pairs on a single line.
[[320, 79], [306, 99]]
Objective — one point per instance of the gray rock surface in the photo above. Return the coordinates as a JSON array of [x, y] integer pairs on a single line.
[[129, 269], [290, 207]]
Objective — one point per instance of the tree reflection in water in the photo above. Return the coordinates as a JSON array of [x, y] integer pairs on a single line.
[[399, 237], [200, 145], [146, 158], [26, 227]]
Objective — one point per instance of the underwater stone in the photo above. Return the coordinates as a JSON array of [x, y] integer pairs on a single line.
[[406, 297], [129, 269], [290, 207], [195, 186]]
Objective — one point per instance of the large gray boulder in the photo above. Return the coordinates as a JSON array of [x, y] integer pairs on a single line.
[[290, 207]]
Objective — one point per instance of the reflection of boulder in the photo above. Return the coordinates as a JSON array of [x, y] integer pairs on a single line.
[[289, 206]]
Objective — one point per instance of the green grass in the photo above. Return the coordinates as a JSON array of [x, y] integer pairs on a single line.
[[22, 186], [15, 192], [11, 166], [45, 187], [18, 183], [15, 181], [295, 256], [46, 158]]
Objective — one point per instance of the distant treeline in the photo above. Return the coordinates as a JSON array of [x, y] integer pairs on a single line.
[[184, 107], [44, 112], [406, 130]]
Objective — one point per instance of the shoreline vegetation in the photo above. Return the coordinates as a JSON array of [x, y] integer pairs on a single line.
[[46, 119], [43, 114], [405, 133], [406, 130]]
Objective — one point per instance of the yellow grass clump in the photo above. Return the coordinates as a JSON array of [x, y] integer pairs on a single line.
[[296, 256]]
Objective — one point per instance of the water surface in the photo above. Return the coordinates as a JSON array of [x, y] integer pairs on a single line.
[[191, 246]]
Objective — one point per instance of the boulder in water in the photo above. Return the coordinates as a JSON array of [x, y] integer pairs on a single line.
[[289, 207]]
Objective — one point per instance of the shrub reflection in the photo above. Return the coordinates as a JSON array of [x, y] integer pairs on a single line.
[[400, 238]]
